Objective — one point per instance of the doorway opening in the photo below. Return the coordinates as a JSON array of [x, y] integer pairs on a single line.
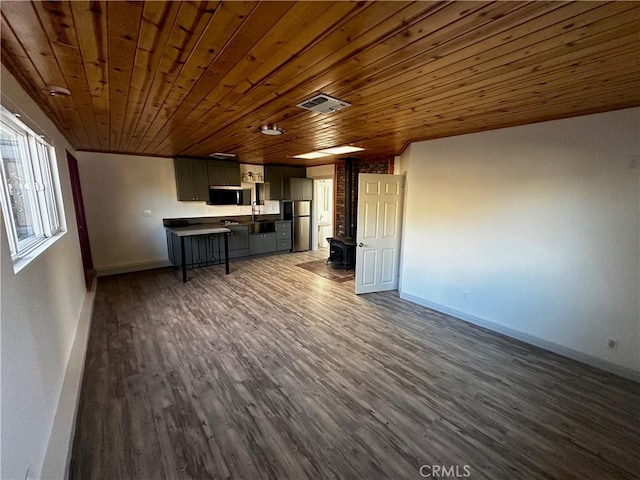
[[323, 211]]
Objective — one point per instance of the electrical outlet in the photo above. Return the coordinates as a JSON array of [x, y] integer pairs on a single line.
[[464, 296], [612, 344], [146, 213]]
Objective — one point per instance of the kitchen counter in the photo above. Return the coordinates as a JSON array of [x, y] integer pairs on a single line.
[[243, 237], [197, 230], [190, 231]]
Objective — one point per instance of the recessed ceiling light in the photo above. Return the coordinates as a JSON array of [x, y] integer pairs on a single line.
[[341, 150], [312, 155], [272, 130], [329, 151]]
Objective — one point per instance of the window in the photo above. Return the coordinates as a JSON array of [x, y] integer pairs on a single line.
[[29, 201]]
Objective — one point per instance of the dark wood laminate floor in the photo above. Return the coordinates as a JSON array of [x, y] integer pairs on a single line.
[[275, 372]]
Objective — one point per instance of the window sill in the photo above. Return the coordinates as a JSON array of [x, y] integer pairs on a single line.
[[22, 262]]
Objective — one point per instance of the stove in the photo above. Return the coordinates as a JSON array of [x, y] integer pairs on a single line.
[[342, 252]]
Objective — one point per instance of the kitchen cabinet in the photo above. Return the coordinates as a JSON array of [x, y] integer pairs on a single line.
[[238, 241], [301, 188], [191, 179], [260, 243], [278, 177], [274, 236], [220, 172], [283, 236], [273, 175], [287, 174]]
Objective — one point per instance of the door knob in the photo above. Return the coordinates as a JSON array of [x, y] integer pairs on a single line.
[[361, 244]]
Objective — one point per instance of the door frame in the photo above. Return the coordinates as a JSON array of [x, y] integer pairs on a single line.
[[314, 220], [81, 221]]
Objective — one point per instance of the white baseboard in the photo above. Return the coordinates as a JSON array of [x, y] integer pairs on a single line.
[[538, 342], [134, 267], [58, 457]]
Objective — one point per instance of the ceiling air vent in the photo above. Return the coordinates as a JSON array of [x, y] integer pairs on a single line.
[[323, 103]]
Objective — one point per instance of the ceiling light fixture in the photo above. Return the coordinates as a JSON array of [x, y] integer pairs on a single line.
[[312, 155], [272, 130], [58, 91], [326, 152], [341, 150]]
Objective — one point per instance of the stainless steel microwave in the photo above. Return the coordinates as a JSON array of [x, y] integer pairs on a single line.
[[226, 195]]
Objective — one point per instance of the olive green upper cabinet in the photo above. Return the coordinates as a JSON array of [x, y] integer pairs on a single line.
[[273, 176], [278, 177], [301, 188], [223, 173], [191, 179], [287, 174]]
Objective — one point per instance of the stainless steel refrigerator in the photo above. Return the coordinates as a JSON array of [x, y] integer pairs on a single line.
[[301, 225]]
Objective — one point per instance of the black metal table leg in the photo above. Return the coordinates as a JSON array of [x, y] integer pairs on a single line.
[[184, 261], [226, 252]]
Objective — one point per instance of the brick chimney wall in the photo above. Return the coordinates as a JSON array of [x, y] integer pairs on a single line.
[[359, 166]]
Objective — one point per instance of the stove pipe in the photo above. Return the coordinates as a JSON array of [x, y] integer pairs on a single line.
[[348, 196]]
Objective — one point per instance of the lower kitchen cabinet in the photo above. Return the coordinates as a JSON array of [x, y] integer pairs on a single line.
[[283, 234], [238, 241], [260, 243], [206, 250]]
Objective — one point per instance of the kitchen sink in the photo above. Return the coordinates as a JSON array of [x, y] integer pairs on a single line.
[[262, 226]]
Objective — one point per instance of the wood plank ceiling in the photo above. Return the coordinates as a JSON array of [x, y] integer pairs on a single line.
[[192, 78]]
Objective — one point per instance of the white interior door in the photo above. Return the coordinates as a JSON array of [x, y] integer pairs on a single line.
[[378, 232]]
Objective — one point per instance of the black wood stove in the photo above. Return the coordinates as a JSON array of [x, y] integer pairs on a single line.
[[342, 252]]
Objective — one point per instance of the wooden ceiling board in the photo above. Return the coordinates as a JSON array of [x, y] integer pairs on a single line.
[[446, 60], [26, 33], [220, 99], [199, 74], [497, 81], [317, 70], [191, 78], [394, 87], [490, 78], [91, 21], [152, 43], [18, 62], [56, 19], [177, 74]]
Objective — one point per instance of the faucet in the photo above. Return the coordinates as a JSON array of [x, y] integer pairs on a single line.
[[253, 212]]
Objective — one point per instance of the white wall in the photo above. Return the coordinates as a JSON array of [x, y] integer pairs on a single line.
[[539, 224], [42, 312], [321, 171], [117, 189]]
